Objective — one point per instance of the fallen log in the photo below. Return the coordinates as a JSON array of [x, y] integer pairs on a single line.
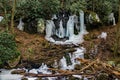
[[57, 75]]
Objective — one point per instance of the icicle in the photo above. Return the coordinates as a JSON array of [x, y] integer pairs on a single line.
[[82, 25], [70, 27], [49, 30], [61, 30], [20, 25]]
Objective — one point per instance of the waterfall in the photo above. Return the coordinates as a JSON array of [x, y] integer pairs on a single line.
[[20, 25]]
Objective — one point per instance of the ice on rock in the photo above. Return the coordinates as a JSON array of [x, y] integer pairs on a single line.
[[103, 35], [33, 71]]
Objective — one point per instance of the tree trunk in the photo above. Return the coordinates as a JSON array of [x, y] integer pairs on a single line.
[[116, 46], [13, 14]]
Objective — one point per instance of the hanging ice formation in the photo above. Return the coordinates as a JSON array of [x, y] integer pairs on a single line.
[[66, 31], [20, 25], [111, 18]]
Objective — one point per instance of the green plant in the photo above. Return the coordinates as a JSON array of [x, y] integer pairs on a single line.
[[8, 47]]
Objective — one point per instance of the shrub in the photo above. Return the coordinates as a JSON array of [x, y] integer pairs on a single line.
[[8, 47]]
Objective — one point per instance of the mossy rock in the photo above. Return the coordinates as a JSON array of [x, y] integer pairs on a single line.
[[14, 62], [87, 37], [112, 63], [102, 76]]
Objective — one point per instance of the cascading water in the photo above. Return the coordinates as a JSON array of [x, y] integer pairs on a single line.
[[20, 25]]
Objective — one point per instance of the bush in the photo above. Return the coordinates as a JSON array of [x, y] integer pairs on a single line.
[[32, 9], [8, 47]]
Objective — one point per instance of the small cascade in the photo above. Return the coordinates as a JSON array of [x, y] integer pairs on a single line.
[[1, 18], [20, 25], [82, 25], [111, 18]]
